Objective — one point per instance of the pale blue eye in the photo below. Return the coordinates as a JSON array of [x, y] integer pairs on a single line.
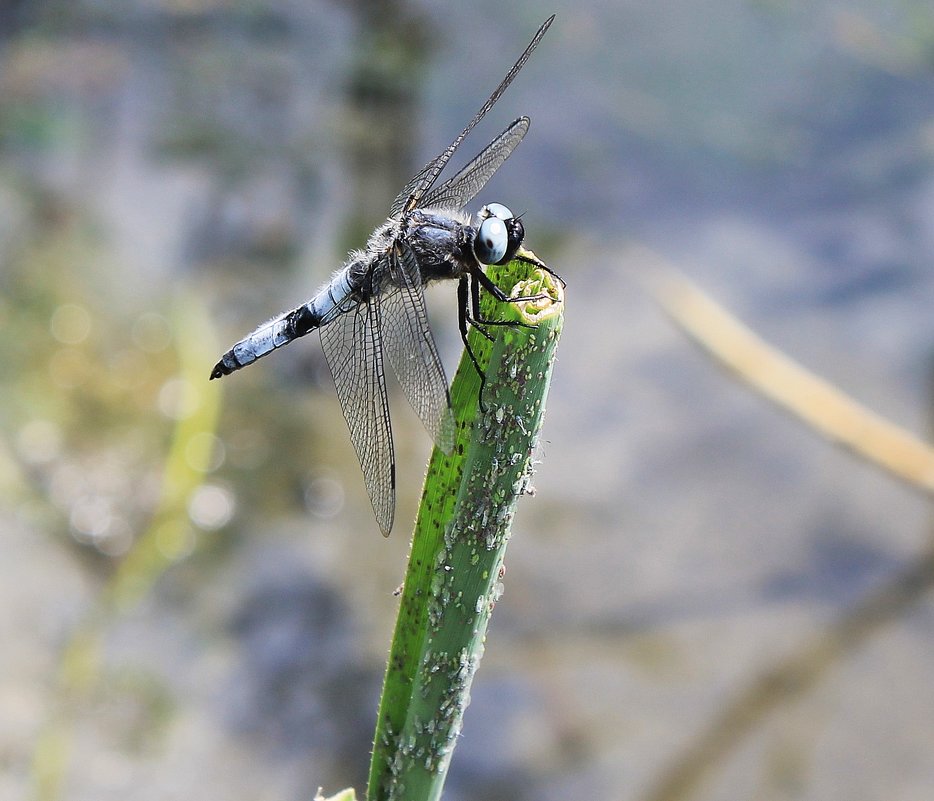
[[489, 246], [497, 210]]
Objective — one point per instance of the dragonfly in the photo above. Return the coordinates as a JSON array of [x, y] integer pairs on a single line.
[[373, 307]]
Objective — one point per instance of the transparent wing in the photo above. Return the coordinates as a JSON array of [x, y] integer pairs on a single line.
[[354, 352], [410, 197], [411, 347], [458, 191]]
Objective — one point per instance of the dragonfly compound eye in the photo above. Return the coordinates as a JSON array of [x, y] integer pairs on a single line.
[[495, 210], [489, 246]]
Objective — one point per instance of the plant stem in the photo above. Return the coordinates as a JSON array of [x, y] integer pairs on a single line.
[[454, 574]]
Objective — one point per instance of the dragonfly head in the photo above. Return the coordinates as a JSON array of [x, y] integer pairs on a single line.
[[499, 235]]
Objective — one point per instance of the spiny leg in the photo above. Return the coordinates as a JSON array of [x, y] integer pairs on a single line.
[[474, 316], [469, 313], [529, 258], [463, 318], [481, 279]]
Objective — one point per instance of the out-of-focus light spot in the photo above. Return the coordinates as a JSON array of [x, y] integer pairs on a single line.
[[90, 518], [175, 539], [93, 522], [247, 449], [178, 399], [204, 452], [324, 496], [117, 539], [211, 507], [151, 332], [39, 441], [68, 368], [70, 324]]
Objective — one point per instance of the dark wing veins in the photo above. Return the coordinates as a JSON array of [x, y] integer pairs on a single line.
[[411, 349], [410, 197], [352, 344], [459, 190]]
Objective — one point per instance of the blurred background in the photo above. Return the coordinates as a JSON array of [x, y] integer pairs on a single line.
[[704, 599]]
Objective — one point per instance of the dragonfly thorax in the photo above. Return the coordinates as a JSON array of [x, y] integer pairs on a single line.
[[441, 241]]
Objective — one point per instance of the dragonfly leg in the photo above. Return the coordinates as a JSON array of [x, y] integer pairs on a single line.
[[481, 279], [498, 293], [529, 258], [468, 308], [474, 316], [463, 318]]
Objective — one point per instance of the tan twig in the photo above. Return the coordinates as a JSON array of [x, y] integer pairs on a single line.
[[818, 403]]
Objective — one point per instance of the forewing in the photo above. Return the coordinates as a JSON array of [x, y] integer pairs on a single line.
[[411, 347], [354, 353], [458, 191], [410, 197]]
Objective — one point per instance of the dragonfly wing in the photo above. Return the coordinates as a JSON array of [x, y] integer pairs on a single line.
[[459, 190], [411, 347], [353, 348], [411, 196], [415, 187]]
